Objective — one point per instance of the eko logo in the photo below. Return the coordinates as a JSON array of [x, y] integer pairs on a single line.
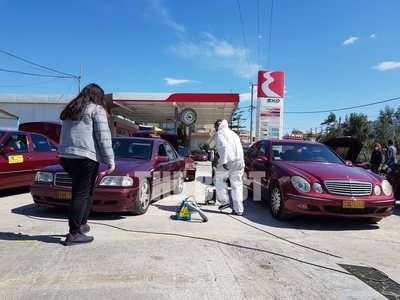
[[270, 84], [269, 100]]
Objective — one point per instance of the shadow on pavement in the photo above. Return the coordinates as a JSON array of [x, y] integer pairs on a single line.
[[10, 236]]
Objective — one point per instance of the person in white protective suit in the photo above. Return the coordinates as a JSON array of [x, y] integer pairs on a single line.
[[230, 166]]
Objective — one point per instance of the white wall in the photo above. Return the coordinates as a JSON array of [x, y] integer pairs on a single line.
[[32, 108]]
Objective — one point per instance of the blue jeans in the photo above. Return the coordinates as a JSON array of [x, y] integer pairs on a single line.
[[83, 173]]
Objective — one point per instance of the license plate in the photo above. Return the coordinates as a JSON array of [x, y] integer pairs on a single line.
[[64, 195], [353, 204]]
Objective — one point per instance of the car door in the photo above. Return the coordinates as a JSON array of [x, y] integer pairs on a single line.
[[174, 165], [44, 151], [17, 167], [258, 170], [161, 177]]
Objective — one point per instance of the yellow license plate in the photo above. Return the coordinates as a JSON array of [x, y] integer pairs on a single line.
[[353, 204], [64, 195]]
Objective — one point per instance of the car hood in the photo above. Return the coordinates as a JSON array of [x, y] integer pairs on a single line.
[[347, 147], [124, 165], [329, 171]]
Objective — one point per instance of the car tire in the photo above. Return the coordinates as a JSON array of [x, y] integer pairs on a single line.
[[276, 203], [178, 188], [143, 198]]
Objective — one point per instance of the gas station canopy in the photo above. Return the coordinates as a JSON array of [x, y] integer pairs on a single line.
[[144, 108]]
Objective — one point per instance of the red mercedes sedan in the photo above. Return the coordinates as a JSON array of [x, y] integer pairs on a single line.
[[303, 177], [144, 170], [22, 154]]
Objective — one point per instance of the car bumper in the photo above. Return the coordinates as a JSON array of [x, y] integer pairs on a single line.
[[105, 199], [329, 207], [190, 175]]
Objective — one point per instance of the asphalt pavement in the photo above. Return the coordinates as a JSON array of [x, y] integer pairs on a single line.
[[156, 256]]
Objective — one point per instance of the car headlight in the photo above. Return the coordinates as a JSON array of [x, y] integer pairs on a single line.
[[45, 177], [386, 187], [116, 181], [301, 184]]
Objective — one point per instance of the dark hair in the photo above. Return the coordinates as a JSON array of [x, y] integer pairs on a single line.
[[390, 141], [74, 110], [217, 123]]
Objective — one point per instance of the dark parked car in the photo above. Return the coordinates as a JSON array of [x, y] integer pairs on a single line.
[[200, 155], [22, 154], [190, 167], [144, 170], [303, 177]]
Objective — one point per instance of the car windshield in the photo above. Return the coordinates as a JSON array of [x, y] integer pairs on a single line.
[[304, 152], [129, 148], [1, 133]]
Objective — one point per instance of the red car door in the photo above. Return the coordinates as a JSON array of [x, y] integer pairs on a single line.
[[17, 168], [44, 151]]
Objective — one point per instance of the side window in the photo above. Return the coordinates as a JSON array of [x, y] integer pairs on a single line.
[[41, 144], [262, 151], [170, 151], [252, 152], [18, 142], [161, 150]]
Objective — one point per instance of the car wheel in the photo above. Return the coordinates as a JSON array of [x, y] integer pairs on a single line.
[[143, 198], [179, 185], [276, 203]]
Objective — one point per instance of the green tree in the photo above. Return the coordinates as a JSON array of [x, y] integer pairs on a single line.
[[234, 123], [385, 127], [357, 125], [332, 128]]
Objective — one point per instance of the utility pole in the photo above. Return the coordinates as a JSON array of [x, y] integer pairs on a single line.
[[251, 113]]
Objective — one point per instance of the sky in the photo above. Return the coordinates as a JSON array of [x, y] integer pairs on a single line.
[[340, 56]]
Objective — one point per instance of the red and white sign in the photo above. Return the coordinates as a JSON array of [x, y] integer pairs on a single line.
[[271, 84]]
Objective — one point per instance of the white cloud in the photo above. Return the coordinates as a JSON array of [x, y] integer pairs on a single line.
[[350, 41], [373, 36], [387, 65], [164, 16], [171, 81], [215, 53]]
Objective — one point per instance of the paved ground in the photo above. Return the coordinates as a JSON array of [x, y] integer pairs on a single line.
[[155, 256]]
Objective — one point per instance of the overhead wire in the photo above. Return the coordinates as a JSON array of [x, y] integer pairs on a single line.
[[35, 64]]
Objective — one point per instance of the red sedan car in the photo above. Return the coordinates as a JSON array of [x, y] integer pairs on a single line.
[[144, 170], [190, 167], [22, 154], [200, 155], [302, 177]]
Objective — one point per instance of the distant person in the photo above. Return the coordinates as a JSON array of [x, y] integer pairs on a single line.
[[376, 158], [391, 153], [85, 141], [230, 166]]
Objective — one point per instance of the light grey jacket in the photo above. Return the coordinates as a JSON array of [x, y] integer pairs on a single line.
[[88, 138]]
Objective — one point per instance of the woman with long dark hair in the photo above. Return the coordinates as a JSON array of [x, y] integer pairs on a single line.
[[85, 141]]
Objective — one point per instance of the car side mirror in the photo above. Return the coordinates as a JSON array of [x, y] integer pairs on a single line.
[[7, 149], [263, 159], [162, 158], [348, 162]]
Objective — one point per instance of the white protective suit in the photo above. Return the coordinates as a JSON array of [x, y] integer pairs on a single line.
[[230, 153]]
